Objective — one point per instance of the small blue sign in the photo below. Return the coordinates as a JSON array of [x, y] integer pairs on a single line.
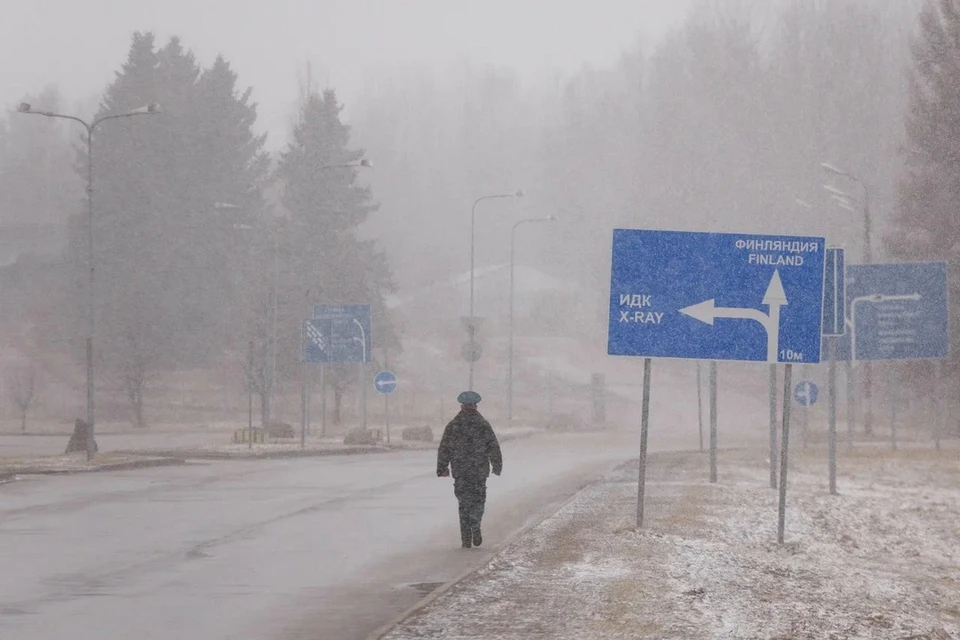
[[896, 311], [346, 331], [385, 382], [834, 300], [806, 393], [716, 296]]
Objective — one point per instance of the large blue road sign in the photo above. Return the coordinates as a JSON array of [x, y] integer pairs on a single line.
[[834, 300], [346, 329], [716, 296], [896, 312]]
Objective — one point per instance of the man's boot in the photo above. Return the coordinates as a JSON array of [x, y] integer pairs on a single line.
[[477, 538]]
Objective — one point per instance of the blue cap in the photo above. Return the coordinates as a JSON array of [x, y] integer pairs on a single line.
[[469, 397]]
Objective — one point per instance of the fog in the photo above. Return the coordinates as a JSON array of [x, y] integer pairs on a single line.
[[279, 200]]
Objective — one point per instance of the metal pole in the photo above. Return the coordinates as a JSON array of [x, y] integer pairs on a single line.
[[644, 428], [470, 328], [90, 295], [303, 406], [851, 404], [713, 421], [894, 400], [773, 425], [938, 417], [363, 392], [386, 414], [510, 348], [250, 395], [700, 406], [323, 402], [867, 368], [784, 448], [832, 413]]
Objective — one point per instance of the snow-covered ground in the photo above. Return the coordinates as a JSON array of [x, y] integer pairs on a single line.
[[879, 560]]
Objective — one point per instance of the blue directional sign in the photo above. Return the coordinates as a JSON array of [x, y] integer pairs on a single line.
[[385, 382], [806, 393], [716, 296], [347, 332], [834, 301], [896, 311], [315, 338]]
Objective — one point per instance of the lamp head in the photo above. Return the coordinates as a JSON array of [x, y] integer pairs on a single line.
[[23, 107], [366, 163]]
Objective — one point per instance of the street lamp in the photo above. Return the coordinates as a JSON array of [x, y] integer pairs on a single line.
[[151, 109], [867, 258], [471, 327], [510, 350]]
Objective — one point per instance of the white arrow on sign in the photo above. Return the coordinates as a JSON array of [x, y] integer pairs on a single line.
[[774, 298]]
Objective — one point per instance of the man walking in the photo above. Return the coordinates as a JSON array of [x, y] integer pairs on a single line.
[[470, 448]]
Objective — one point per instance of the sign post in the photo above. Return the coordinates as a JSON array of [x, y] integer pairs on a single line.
[[834, 324], [715, 296], [644, 425], [784, 449], [773, 425], [385, 383], [339, 334], [713, 421], [700, 406]]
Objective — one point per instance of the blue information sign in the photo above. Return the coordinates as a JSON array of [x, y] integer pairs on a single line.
[[834, 300], [337, 334], [896, 311], [716, 296], [806, 393]]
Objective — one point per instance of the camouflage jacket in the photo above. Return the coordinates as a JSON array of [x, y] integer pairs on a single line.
[[469, 446]]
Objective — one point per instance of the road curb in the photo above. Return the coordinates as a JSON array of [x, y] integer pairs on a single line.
[[116, 466], [186, 454], [512, 539]]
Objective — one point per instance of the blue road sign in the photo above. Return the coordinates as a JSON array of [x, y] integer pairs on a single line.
[[347, 328], [315, 338], [896, 311], [716, 296], [834, 300], [806, 393], [385, 382]]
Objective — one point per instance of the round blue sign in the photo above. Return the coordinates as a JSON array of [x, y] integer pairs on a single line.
[[385, 382], [806, 393]]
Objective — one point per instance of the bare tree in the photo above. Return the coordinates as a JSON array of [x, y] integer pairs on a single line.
[[23, 384]]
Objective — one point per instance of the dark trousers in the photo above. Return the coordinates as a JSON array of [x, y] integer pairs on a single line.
[[471, 492]]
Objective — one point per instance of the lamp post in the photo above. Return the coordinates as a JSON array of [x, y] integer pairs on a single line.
[[513, 233], [151, 109], [867, 259], [471, 326]]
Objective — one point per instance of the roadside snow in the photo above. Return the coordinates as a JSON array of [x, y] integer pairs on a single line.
[[880, 560]]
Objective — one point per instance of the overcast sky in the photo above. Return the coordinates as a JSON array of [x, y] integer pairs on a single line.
[[78, 44]]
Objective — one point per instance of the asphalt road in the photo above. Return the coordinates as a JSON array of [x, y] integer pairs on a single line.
[[303, 548]]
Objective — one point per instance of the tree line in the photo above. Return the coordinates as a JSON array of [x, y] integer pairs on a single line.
[[205, 248]]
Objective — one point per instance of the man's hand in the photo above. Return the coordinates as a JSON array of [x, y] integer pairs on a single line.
[[496, 472], [442, 473]]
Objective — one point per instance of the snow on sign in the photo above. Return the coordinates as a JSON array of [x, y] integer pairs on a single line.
[[716, 296]]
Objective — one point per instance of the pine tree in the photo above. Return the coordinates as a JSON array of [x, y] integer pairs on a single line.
[[164, 248], [328, 261], [926, 223]]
